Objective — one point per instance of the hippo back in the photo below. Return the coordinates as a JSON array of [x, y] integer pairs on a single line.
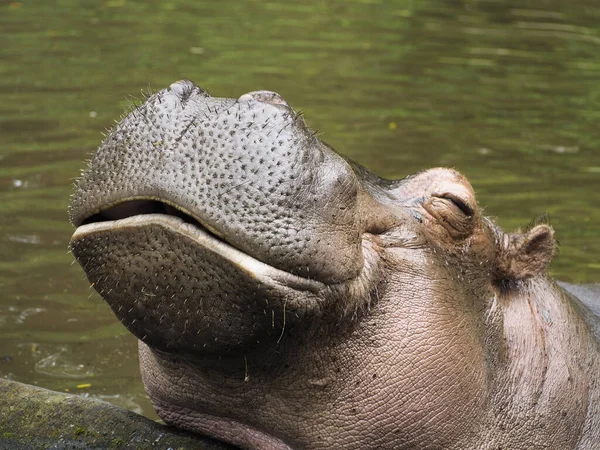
[[589, 295]]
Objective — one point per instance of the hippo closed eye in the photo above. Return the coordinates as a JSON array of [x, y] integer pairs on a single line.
[[285, 297]]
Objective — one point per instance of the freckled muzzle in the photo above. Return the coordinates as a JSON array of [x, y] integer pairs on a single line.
[[199, 216]]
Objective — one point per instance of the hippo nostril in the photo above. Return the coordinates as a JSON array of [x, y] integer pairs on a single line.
[[183, 89], [245, 98], [270, 97]]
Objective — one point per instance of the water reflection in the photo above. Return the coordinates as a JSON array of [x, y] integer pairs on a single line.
[[62, 365]]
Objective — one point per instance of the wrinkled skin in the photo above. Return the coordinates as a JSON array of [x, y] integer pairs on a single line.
[[285, 297]]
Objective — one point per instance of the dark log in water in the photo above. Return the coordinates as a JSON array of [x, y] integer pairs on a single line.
[[36, 418]]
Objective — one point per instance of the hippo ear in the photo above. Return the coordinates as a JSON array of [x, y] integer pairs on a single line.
[[525, 255]]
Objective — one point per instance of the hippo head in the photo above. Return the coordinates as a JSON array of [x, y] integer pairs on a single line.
[[284, 296]]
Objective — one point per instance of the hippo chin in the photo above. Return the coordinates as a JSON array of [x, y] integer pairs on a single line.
[[285, 297]]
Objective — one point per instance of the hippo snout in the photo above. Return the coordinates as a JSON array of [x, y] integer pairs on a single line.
[[215, 206]]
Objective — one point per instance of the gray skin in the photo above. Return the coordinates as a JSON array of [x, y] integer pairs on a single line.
[[285, 297]]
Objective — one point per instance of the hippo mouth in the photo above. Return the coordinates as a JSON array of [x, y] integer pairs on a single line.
[[131, 208], [139, 213], [144, 207]]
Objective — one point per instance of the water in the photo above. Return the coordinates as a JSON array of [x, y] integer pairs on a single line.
[[505, 91]]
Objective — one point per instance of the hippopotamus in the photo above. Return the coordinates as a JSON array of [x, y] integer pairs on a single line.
[[285, 297]]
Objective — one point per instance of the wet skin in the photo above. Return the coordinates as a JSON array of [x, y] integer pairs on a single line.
[[285, 297]]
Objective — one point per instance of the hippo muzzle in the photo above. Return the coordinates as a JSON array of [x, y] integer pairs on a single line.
[[199, 216]]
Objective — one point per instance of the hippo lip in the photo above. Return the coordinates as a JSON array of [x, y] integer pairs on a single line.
[[137, 206], [135, 213]]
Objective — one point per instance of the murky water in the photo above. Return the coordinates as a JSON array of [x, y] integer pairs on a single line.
[[508, 92]]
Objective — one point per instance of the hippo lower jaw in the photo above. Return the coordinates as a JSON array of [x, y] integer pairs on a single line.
[[187, 291], [267, 303]]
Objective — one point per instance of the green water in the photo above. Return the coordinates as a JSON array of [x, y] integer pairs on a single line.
[[507, 92]]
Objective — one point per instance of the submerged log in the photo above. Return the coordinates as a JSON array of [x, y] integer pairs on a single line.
[[33, 418]]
